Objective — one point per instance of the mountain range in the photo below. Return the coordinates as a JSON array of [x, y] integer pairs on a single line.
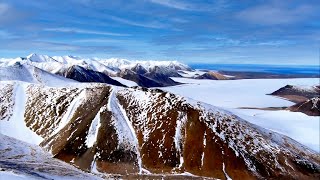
[[144, 73], [109, 129]]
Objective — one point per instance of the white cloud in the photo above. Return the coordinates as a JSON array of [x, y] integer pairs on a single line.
[[208, 6], [83, 31], [174, 4], [272, 14], [155, 25], [4, 8], [6, 35]]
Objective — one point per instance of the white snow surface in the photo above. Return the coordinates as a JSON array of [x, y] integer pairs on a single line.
[[232, 94], [297, 125], [21, 160], [125, 81], [31, 74], [93, 130], [10, 175], [16, 126], [237, 93]]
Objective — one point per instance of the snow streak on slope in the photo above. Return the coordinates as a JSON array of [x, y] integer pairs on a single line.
[[71, 110], [126, 133], [16, 126], [93, 130], [224, 171], [181, 121]]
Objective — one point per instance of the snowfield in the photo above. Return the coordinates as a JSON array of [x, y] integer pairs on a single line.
[[232, 94], [125, 81], [237, 93], [298, 126]]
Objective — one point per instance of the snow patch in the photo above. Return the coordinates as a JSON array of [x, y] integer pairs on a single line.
[[126, 134], [181, 120], [71, 109], [94, 129]]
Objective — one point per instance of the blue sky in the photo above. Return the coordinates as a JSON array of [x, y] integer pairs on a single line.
[[202, 31]]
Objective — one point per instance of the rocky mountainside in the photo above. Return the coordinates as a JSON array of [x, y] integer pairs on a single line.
[[81, 74], [306, 98], [310, 107], [141, 80], [297, 94], [108, 129]]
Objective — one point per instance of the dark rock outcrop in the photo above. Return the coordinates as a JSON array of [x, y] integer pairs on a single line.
[[82, 74], [141, 80], [310, 107], [297, 94]]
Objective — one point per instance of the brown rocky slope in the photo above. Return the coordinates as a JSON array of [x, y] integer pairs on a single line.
[[310, 107], [107, 129], [306, 98]]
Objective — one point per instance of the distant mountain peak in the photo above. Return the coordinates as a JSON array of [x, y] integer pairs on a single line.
[[39, 58]]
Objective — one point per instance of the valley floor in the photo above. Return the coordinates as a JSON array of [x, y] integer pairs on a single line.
[[235, 94]]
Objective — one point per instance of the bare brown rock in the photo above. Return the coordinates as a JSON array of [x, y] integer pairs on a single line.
[[212, 75], [310, 107]]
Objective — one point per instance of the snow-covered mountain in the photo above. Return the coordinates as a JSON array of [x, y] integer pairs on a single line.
[[64, 62], [148, 65], [29, 73], [112, 65], [147, 73], [108, 129], [297, 93]]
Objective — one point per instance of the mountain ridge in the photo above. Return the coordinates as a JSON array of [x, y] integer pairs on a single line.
[[99, 70], [134, 130]]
